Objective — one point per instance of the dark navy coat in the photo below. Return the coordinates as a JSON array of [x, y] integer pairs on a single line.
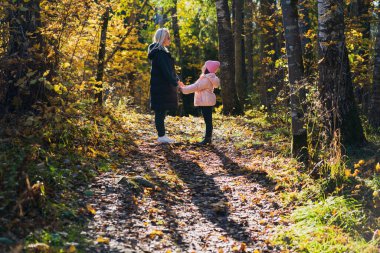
[[163, 80]]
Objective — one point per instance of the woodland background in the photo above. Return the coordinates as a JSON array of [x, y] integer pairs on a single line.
[[73, 73]]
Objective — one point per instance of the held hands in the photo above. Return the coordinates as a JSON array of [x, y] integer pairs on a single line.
[[180, 85]]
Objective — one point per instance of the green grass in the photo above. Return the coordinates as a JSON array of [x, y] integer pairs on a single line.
[[331, 225]]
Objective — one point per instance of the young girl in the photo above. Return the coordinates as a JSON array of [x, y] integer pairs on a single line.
[[204, 96]]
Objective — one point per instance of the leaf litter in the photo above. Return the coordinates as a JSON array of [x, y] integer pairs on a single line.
[[187, 198]]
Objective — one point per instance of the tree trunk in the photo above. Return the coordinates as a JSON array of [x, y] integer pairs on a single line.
[[335, 83], [231, 104], [24, 64], [268, 51], [374, 115], [304, 24], [239, 57], [101, 56], [296, 72], [249, 43], [177, 38], [359, 10]]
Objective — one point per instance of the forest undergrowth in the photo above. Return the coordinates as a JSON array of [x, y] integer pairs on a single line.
[[50, 157]]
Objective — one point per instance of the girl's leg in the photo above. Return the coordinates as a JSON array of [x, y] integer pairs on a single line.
[[159, 120], [207, 115]]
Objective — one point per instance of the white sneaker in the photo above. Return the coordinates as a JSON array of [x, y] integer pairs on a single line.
[[165, 139]]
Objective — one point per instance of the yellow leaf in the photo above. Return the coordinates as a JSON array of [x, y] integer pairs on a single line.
[[256, 251], [361, 162], [261, 222], [347, 173], [235, 248], [104, 240], [223, 238], [377, 168], [90, 209], [66, 65], [72, 249], [243, 247], [56, 88], [155, 233]]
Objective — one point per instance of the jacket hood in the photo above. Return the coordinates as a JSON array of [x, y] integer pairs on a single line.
[[153, 49], [213, 78]]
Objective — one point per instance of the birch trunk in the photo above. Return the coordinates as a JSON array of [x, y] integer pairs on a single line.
[[296, 72], [335, 83]]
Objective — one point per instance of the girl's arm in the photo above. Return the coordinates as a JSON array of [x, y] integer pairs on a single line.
[[199, 85], [190, 88]]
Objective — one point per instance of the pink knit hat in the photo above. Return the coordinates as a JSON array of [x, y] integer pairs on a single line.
[[212, 66]]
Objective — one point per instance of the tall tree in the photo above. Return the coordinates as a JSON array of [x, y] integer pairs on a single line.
[[335, 83], [304, 23], [267, 51], [248, 20], [374, 115], [102, 55], [24, 64], [231, 104], [296, 72], [239, 51], [359, 10], [177, 38]]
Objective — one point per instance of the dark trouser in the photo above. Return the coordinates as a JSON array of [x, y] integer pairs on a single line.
[[159, 120], [207, 115]]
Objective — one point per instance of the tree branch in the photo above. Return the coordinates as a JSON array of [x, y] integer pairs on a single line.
[[118, 46]]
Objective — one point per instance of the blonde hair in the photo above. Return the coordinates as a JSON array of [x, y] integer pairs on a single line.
[[159, 37]]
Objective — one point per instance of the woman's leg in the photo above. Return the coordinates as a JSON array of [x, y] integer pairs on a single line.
[[207, 115], [159, 120]]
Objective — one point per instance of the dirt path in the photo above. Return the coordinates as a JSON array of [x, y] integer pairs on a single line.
[[202, 200]]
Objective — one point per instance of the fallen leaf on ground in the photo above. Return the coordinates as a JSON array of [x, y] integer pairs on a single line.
[[90, 209], [104, 240]]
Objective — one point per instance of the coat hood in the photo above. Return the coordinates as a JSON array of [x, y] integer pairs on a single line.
[[153, 49], [213, 78]]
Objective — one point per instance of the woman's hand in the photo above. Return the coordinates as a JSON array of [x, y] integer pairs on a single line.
[[180, 84]]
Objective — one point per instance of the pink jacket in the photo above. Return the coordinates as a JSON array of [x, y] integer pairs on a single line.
[[203, 89]]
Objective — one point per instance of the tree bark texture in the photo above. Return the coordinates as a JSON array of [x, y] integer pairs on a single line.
[[101, 56], [296, 72], [335, 83], [249, 42], [268, 52], [304, 24], [359, 10], [374, 115], [231, 104], [177, 38], [239, 51]]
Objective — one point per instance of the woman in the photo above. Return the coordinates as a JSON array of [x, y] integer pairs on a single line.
[[163, 82]]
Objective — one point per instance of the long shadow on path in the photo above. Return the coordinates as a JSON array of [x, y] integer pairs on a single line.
[[233, 168], [206, 194]]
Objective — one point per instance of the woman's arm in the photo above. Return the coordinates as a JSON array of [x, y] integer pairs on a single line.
[[163, 62]]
